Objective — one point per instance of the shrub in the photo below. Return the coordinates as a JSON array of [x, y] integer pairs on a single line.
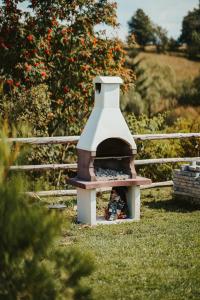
[[154, 90], [30, 108], [189, 92], [32, 267], [163, 148]]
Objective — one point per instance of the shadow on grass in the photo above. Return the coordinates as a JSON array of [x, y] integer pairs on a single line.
[[173, 205]]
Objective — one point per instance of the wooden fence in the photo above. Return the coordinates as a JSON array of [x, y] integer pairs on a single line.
[[74, 139]]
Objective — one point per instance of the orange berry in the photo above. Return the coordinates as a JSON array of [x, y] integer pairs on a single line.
[[43, 74], [30, 37], [50, 115]]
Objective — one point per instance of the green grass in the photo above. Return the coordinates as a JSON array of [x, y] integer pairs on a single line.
[[156, 258]]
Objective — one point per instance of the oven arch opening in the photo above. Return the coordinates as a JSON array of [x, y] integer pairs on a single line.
[[114, 160], [114, 147]]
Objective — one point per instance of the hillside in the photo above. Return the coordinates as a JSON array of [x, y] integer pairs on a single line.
[[183, 67]]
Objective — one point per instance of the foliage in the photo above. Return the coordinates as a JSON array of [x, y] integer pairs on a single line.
[[35, 115], [160, 149], [173, 44], [141, 26], [154, 90], [191, 32], [145, 32], [189, 92], [31, 107], [194, 47], [160, 39], [190, 147], [161, 88], [49, 56], [132, 100], [32, 267], [57, 45], [154, 149]]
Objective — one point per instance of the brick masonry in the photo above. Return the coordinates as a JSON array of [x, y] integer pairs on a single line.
[[187, 183]]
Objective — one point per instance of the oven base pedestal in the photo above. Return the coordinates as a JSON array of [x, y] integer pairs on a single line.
[[133, 199], [86, 199], [86, 207]]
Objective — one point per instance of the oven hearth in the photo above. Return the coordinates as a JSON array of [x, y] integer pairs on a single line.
[[108, 174]]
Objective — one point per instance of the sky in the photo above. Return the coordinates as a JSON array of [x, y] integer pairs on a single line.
[[166, 13]]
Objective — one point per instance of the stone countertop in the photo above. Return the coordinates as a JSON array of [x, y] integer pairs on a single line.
[[108, 183]]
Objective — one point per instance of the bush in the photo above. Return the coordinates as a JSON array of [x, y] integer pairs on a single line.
[[163, 148], [189, 92], [154, 90], [31, 266], [30, 108]]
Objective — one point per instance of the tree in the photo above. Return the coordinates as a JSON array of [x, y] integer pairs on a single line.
[[191, 32], [141, 26], [31, 266], [160, 39], [49, 55], [55, 43], [189, 93], [154, 90], [173, 44]]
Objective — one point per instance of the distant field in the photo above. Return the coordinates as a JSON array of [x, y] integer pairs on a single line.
[[183, 67]]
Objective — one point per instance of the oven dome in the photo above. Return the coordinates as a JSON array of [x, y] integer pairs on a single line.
[[106, 120]]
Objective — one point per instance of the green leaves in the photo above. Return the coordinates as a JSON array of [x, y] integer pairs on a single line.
[[141, 26], [56, 44], [32, 266], [191, 32]]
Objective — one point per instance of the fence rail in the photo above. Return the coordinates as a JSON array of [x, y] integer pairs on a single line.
[[73, 166], [74, 139], [59, 193]]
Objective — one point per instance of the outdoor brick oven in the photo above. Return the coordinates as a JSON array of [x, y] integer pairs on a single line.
[[106, 147], [106, 152]]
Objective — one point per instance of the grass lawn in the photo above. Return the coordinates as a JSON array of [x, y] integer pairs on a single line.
[[156, 258]]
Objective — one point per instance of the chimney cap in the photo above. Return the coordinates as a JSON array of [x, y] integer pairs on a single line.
[[108, 79]]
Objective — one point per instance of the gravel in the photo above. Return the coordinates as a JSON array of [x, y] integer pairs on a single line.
[[108, 174]]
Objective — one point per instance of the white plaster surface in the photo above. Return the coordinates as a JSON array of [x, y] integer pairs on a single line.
[[86, 206], [106, 120], [133, 198], [107, 79]]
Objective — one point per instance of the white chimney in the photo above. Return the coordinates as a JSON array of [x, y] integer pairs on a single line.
[[106, 120]]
